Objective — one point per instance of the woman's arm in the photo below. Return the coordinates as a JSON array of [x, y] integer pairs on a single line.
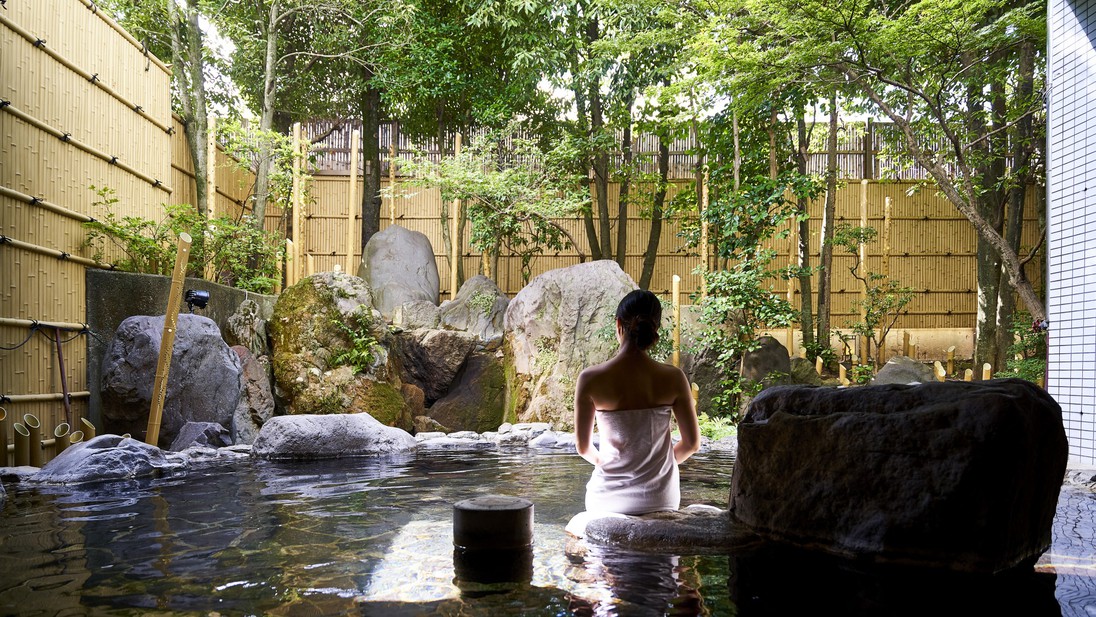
[[584, 420], [685, 414]]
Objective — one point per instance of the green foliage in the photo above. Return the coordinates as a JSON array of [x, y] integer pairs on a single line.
[[886, 297], [244, 145], [861, 373], [482, 302], [1028, 354], [716, 428], [359, 354], [512, 207], [241, 255]]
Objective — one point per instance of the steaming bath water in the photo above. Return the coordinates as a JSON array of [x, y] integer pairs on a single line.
[[373, 536]]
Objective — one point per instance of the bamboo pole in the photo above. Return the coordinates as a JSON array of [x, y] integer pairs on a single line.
[[704, 234], [987, 371], [167, 342], [211, 186], [392, 181], [310, 264], [675, 299], [44, 204], [295, 204], [818, 364], [34, 429], [864, 264], [290, 262], [938, 370], [951, 360], [30, 323], [842, 375], [89, 428], [968, 375], [61, 255], [3, 437], [75, 437], [44, 398], [906, 344], [352, 203], [455, 241]]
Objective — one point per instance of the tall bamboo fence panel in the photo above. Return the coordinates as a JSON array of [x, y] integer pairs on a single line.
[[70, 119]]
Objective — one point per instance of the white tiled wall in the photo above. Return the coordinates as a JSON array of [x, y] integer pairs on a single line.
[[1071, 218]]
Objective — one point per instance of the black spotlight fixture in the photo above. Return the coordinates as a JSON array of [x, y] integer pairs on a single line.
[[196, 298]]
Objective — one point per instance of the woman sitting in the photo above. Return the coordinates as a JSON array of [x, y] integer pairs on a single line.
[[632, 398]]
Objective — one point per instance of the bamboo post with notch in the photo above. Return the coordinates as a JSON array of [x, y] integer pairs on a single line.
[[938, 371], [75, 437], [352, 201], [167, 341], [61, 437], [842, 375], [818, 364], [88, 430], [968, 375], [906, 343], [22, 445], [34, 437], [295, 204], [987, 371], [951, 360], [455, 241], [675, 299]]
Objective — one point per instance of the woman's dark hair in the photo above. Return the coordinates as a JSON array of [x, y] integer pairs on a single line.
[[640, 315]]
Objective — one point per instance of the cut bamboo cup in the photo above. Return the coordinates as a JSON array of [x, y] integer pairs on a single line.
[[34, 430]]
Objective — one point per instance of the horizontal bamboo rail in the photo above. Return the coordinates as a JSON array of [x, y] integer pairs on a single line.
[[41, 398], [68, 138], [90, 4], [46, 205], [59, 254], [91, 77], [32, 323]]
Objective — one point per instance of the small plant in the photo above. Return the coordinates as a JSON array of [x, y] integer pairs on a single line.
[[716, 428], [861, 373], [359, 354], [886, 298], [240, 255], [1028, 354]]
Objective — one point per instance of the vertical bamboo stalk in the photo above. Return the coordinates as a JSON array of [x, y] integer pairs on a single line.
[[290, 262], [352, 204], [938, 370], [34, 438], [295, 204], [987, 371], [887, 204], [456, 242], [818, 364], [906, 344], [842, 375], [392, 180], [951, 360], [3, 437], [310, 264], [864, 264], [675, 299], [167, 342], [211, 186], [703, 189]]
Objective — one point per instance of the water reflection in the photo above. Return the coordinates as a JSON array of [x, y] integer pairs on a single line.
[[374, 537]]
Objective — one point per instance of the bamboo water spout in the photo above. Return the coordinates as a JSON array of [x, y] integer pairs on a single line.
[[75, 437], [88, 431], [61, 437], [22, 445]]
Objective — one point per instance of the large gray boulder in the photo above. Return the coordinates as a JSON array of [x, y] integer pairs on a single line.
[[202, 434], [476, 401], [203, 386], [430, 359], [479, 308], [557, 325], [256, 398], [769, 362], [108, 457], [903, 370], [961, 476], [400, 267], [334, 436]]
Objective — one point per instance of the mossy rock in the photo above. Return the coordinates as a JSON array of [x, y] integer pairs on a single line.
[[344, 391], [477, 399]]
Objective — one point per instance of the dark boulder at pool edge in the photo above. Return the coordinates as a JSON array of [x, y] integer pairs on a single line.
[[304, 437], [956, 475]]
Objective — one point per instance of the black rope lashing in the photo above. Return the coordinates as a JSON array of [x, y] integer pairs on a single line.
[[40, 43], [3, 397], [63, 256], [92, 219], [157, 183], [170, 130], [62, 341], [65, 137], [138, 108], [93, 8], [4, 239], [34, 201], [30, 335], [4, 103], [4, 3], [94, 77], [113, 160]]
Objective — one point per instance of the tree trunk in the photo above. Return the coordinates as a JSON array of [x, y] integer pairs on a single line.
[[186, 49], [655, 235], [825, 276], [1022, 139], [266, 119], [582, 111], [803, 259], [625, 186], [600, 156], [371, 154]]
